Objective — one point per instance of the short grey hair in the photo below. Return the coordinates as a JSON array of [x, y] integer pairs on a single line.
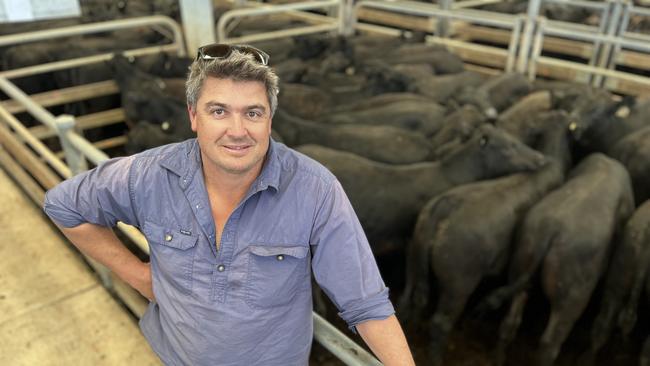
[[237, 66]]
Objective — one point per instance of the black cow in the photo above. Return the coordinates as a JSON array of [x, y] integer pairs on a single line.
[[624, 281], [387, 198], [464, 234], [566, 236], [384, 144]]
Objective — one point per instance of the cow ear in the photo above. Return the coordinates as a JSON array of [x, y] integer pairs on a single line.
[[483, 141]]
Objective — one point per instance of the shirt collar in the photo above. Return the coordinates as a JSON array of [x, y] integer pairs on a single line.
[[270, 174], [186, 164]]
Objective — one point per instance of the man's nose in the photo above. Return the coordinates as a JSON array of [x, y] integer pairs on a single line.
[[237, 127]]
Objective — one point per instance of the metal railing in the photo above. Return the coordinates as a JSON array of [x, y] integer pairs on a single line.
[[338, 23], [503, 21], [526, 40], [77, 150]]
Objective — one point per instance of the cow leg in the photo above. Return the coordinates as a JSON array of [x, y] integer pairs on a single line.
[[450, 307], [644, 359], [510, 325], [416, 292], [563, 317], [601, 329]]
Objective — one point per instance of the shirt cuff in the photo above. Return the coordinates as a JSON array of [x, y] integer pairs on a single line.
[[375, 307], [62, 217]]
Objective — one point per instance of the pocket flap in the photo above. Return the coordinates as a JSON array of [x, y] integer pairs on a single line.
[[168, 237], [268, 251]]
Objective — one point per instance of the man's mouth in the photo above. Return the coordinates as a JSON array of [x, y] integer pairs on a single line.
[[237, 148]]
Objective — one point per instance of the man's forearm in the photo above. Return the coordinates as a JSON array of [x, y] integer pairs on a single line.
[[101, 244], [386, 339]]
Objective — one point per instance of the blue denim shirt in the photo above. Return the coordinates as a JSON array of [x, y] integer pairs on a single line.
[[249, 303]]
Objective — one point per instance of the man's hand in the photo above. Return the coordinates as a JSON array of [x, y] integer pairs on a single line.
[[143, 282]]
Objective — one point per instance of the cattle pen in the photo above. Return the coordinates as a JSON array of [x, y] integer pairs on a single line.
[[39, 148]]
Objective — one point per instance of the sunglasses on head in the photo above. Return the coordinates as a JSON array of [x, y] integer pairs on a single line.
[[218, 50]]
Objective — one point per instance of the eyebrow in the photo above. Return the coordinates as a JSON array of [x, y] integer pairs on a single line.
[[209, 105]]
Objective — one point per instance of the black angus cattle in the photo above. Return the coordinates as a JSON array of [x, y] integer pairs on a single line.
[[442, 88], [456, 128], [598, 128], [407, 114], [378, 101], [384, 144], [304, 101], [496, 94], [387, 198], [566, 237], [624, 281], [633, 151], [625, 139], [524, 110], [464, 234]]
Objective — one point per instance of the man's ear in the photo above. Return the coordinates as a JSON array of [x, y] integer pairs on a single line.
[[192, 113]]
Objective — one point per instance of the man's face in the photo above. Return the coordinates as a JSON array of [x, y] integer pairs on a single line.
[[233, 124]]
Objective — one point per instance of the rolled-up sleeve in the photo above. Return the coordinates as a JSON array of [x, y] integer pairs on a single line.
[[343, 264], [100, 196]]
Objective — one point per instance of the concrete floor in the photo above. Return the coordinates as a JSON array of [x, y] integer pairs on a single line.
[[53, 310]]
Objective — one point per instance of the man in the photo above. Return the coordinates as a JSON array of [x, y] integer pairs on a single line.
[[235, 222]]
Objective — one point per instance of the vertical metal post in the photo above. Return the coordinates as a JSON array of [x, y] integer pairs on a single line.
[[515, 38], [612, 28], [524, 48], [198, 24], [538, 41], [65, 124], [73, 157], [442, 28], [602, 27], [622, 28]]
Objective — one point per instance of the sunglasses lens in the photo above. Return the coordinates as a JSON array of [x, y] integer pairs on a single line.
[[214, 51], [259, 55]]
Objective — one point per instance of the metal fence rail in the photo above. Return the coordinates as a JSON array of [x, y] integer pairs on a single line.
[[335, 24], [610, 41], [78, 150]]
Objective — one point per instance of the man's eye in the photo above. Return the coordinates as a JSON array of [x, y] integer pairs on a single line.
[[219, 111], [253, 114]]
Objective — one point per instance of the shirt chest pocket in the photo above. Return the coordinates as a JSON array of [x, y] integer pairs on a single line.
[[172, 254], [276, 274]]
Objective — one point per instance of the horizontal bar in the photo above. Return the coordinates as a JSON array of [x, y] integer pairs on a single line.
[[237, 13], [26, 182], [637, 10], [35, 143], [340, 345], [413, 8], [472, 3], [81, 61], [94, 28], [595, 70], [102, 144], [282, 33], [631, 44], [26, 158], [32, 107], [580, 3], [93, 154], [135, 235], [65, 95], [85, 122]]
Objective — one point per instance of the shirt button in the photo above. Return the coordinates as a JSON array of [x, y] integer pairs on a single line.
[[280, 257], [221, 268], [168, 237]]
